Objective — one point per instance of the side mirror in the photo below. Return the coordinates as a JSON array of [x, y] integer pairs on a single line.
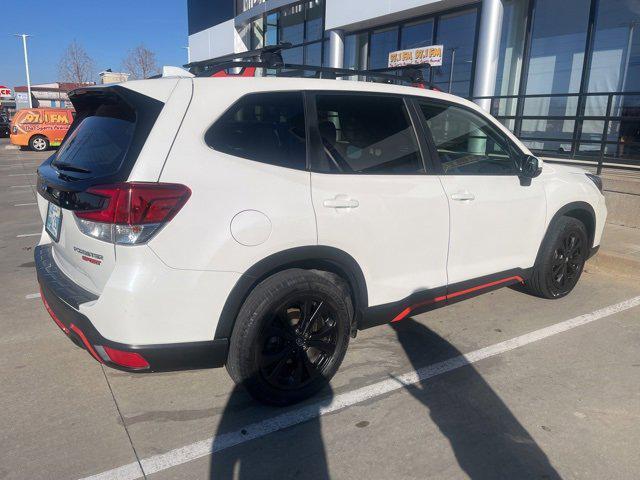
[[530, 167]]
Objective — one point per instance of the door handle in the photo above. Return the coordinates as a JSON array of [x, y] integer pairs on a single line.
[[341, 201], [463, 196]]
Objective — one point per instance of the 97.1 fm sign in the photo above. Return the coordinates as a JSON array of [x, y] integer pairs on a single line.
[[431, 55], [4, 91]]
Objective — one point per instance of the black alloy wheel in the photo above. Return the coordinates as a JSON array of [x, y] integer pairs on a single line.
[[298, 342], [291, 335], [561, 259], [568, 261]]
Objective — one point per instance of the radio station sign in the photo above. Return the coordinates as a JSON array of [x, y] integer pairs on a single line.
[[5, 91], [431, 55]]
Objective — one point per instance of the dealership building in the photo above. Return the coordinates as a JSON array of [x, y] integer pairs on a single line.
[[563, 76]]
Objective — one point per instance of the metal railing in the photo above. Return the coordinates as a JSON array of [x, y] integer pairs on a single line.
[[601, 128]]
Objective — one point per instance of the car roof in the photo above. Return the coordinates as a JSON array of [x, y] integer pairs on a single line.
[[257, 84]]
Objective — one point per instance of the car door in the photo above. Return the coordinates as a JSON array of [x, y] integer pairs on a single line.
[[497, 218], [373, 197]]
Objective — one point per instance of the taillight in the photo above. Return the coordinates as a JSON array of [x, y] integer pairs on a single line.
[[131, 213]]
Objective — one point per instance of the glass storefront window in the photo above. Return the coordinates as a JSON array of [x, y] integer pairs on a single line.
[[514, 23], [256, 34], [557, 46], [271, 29], [558, 41], [615, 66], [291, 27], [355, 51], [383, 42], [615, 63], [457, 32], [416, 35], [313, 15], [313, 55]]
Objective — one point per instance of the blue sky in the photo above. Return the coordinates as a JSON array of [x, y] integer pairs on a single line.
[[106, 29]]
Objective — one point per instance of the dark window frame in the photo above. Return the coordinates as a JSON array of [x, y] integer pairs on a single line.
[[243, 98], [316, 151], [494, 129]]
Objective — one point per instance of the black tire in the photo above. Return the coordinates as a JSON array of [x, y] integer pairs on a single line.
[[270, 355], [561, 259], [39, 143]]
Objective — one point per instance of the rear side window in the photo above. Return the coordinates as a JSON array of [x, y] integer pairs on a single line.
[[100, 139], [366, 134], [264, 127]]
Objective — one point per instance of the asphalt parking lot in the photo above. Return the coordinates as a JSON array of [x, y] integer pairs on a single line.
[[501, 386]]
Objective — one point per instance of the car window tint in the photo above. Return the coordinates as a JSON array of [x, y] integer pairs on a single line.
[[264, 127], [467, 144], [99, 142], [366, 134]]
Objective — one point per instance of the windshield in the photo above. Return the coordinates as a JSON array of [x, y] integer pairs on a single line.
[[99, 142]]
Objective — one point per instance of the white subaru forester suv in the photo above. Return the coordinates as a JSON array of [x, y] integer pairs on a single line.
[[259, 223]]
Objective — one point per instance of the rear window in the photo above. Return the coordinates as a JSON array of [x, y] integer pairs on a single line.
[[100, 138]]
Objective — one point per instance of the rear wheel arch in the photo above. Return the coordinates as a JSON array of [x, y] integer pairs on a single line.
[[315, 257]]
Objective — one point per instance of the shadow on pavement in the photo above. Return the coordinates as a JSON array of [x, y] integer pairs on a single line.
[[296, 452], [488, 441]]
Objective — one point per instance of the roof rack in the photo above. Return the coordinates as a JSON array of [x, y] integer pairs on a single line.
[[270, 58]]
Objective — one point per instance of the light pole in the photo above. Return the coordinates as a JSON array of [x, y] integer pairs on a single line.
[[26, 64], [188, 49]]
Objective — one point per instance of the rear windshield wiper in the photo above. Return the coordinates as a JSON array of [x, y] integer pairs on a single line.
[[70, 168]]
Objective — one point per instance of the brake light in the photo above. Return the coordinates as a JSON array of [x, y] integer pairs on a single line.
[[131, 213]]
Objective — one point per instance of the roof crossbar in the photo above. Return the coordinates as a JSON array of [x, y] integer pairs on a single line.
[[270, 58]]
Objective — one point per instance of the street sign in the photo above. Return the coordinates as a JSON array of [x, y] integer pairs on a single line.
[[431, 55]]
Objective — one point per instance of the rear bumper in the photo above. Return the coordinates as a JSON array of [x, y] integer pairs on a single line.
[[62, 297]]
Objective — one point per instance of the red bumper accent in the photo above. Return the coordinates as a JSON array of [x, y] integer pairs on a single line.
[[86, 343], [53, 315]]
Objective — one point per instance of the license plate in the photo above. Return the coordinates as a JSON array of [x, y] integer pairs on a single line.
[[54, 220]]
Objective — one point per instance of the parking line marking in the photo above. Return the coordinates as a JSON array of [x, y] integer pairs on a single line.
[[24, 204], [21, 186], [262, 428], [28, 235], [31, 296], [19, 174]]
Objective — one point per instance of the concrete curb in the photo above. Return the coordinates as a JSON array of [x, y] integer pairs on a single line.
[[612, 264]]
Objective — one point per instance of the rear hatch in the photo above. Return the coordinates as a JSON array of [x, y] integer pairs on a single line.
[[101, 148]]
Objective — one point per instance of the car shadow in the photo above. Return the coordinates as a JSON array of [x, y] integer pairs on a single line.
[[297, 452], [487, 439]]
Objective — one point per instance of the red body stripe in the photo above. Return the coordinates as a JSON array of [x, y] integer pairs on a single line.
[[403, 314], [486, 285]]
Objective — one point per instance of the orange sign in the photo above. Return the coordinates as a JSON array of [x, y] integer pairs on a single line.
[[50, 123]]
